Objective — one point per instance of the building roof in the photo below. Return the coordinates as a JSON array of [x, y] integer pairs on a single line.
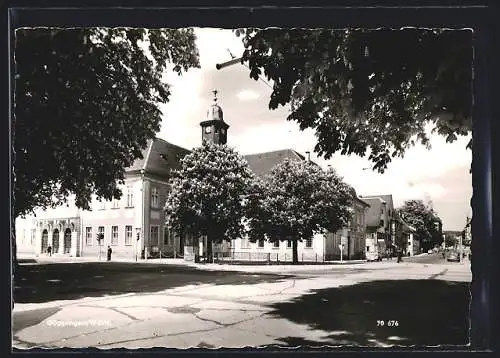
[[262, 163], [386, 198], [362, 202], [159, 158], [372, 216]]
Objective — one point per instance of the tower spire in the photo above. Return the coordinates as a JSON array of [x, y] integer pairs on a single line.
[[214, 129]]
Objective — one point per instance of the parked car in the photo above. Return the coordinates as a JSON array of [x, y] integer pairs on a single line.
[[454, 256], [373, 256]]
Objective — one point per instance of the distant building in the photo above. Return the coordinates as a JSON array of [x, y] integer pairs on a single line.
[[413, 247], [385, 230], [379, 217], [352, 239]]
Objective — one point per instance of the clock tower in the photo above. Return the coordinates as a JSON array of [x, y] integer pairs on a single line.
[[214, 129]]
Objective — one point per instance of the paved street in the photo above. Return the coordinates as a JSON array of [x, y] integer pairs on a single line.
[[131, 305], [434, 258]]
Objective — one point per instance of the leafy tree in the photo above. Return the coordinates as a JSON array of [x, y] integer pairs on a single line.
[[296, 201], [451, 238], [86, 102], [367, 91], [206, 194], [401, 239], [425, 221]]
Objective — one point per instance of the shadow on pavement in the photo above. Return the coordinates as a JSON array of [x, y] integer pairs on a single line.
[[26, 261], [67, 281], [31, 318], [428, 312]]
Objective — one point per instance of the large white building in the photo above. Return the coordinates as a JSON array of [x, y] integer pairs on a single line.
[[135, 228]]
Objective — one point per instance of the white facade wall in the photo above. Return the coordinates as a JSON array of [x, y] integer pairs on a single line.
[[29, 229], [244, 250], [25, 236]]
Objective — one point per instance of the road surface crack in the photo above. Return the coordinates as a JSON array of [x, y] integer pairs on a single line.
[[225, 325], [274, 293]]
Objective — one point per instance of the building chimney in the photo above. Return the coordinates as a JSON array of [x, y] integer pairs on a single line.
[[308, 156]]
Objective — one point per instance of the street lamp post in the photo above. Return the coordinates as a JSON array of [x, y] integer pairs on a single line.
[[138, 236]]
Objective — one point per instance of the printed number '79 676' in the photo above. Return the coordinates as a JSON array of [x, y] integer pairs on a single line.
[[390, 323]]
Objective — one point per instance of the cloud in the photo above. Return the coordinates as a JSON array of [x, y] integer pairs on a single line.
[[247, 95]]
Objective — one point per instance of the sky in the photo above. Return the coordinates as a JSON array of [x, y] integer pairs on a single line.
[[440, 175]]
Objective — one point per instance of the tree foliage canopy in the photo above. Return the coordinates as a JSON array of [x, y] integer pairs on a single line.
[[298, 200], [367, 91], [424, 220], [86, 102], [206, 197]]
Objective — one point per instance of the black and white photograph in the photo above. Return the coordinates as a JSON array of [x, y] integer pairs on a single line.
[[214, 188]]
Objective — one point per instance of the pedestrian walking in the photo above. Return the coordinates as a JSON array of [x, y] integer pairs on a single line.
[[109, 253], [49, 250], [400, 256]]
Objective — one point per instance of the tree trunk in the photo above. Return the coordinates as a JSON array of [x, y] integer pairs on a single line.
[[295, 259], [348, 247], [14, 262], [209, 249]]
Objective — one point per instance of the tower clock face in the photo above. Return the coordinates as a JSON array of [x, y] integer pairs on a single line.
[[208, 130]]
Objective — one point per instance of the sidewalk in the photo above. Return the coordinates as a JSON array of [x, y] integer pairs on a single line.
[[253, 268]]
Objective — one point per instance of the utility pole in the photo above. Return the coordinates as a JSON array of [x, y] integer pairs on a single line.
[[460, 246]]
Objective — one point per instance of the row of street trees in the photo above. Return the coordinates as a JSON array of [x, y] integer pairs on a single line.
[[214, 194]]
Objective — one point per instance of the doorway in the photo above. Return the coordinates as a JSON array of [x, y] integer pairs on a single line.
[[45, 240], [55, 241], [67, 241]]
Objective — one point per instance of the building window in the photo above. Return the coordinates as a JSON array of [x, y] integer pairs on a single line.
[[167, 236], [154, 198], [289, 243], [276, 244], [245, 243], [153, 237], [101, 231], [128, 235], [114, 235], [260, 243], [309, 243], [368, 249], [88, 236], [130, 197], [116, 203]]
